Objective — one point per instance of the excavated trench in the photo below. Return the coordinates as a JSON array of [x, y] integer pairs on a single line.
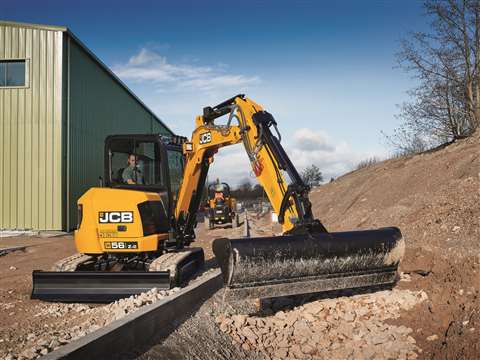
[[341, 324]]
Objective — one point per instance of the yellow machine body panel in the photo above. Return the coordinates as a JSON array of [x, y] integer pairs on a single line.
[[111, 222]]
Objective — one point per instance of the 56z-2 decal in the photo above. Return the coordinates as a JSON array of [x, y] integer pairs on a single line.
[[122, 245], [205, 138]]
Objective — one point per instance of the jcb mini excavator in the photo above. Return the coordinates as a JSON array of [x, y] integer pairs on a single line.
[[221, 206], [134, 233]]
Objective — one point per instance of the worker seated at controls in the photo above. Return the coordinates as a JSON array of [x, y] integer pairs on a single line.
[[132, 174]]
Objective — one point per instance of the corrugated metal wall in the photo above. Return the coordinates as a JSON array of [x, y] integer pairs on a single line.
[[98, 106], [30, 132], [52, 131]]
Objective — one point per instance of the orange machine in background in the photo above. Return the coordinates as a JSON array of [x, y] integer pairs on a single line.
[[220, 207]]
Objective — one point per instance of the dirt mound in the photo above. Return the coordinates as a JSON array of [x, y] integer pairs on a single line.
[[434, 198]]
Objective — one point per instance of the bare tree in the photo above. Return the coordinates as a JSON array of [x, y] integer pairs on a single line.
[[367, 162], [445, 106], [405, 141]]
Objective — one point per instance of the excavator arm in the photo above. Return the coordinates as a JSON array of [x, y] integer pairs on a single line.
[[205, 142], [250, 124], [306, 258]]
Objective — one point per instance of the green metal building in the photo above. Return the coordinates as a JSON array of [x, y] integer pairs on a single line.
[[58, 102]]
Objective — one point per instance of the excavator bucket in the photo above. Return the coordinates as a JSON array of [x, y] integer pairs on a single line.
[[266, 267]]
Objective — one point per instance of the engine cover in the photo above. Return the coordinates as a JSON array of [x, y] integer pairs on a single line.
[[121, 221]]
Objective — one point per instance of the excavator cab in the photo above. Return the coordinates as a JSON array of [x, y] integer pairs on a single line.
[[125, 228], [134, 208]]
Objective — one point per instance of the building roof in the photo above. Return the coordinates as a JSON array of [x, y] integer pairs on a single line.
[[92, 55]]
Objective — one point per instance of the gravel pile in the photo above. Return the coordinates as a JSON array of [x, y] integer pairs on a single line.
[[77, 320], [342, 328]]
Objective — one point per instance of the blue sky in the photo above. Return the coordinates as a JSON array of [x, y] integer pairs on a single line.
[[325, 70]]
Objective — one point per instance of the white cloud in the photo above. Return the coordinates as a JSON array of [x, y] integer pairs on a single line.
[[148, 66], [143, 57], [334, 158], [231, 165], [318, 148], [309, 140]]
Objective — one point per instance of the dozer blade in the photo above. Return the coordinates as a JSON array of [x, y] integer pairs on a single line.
[[95, 286], [169, 270], [285, 265]]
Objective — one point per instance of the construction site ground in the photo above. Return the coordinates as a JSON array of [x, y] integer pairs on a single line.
[[432, 312], [28, 327]]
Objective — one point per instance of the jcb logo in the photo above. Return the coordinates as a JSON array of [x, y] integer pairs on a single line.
[[205, 138], [107, 217]]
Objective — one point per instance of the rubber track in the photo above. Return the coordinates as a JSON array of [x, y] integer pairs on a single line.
[[71, 263], [169, 262]]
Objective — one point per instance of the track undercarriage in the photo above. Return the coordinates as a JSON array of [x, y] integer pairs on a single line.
[[109, 277]]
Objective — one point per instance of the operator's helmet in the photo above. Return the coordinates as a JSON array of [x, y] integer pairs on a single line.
[[219, 187]]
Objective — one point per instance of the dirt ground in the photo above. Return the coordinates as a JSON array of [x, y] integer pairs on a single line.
[[25, 323], [433, 312], [16, 268]]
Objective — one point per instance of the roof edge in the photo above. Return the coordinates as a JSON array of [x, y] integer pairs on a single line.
[[34, 26]]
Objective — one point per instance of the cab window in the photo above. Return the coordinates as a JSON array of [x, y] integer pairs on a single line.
[[134, 162], [175, 169]]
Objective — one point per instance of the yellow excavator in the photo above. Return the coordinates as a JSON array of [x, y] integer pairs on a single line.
[[134, 233]]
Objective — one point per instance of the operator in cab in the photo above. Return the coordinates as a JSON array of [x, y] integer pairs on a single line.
[[132, 174]]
